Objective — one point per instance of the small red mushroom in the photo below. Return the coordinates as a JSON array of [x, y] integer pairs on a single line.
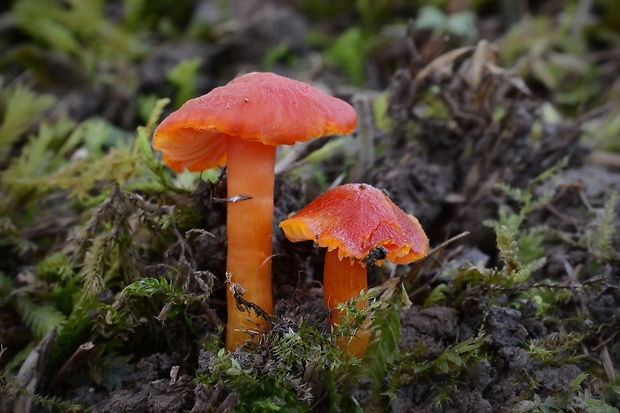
[[241, 124], [359, 225]]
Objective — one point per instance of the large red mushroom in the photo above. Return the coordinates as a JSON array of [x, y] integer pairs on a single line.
[[359, 225], [240, 125]]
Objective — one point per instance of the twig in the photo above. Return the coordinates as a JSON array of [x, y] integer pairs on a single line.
[[605, 159], [76, 359], [448, 242], [361, 171]]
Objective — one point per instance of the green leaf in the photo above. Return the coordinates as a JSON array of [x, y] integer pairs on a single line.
[[600, 236], [75, 27], [111, 370], [41, 20], [40, 318], [348, 52], [183, 75], [22, 109], [431, 17]]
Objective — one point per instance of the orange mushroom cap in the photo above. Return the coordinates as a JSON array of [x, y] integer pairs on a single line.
[[356, 219], [260, 107]]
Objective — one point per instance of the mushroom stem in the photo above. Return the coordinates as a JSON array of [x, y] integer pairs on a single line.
[[342, 280], [249, 223]]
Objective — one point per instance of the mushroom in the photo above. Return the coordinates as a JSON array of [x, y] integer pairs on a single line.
[[359, 225], [241, 124]]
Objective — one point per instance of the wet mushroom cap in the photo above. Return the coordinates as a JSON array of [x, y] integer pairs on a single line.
[[258, 107], [357, 219]]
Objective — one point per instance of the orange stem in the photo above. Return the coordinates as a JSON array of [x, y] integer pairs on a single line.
[[250, 171], [343, 280]]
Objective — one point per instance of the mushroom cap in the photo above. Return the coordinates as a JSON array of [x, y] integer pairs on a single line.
[[259, 107], [357, 219]]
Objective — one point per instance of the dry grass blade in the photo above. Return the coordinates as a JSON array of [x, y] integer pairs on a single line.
[[31, 373], [485, 53], [441, 62]]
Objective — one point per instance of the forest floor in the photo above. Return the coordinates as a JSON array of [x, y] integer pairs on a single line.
[[112, 292]]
